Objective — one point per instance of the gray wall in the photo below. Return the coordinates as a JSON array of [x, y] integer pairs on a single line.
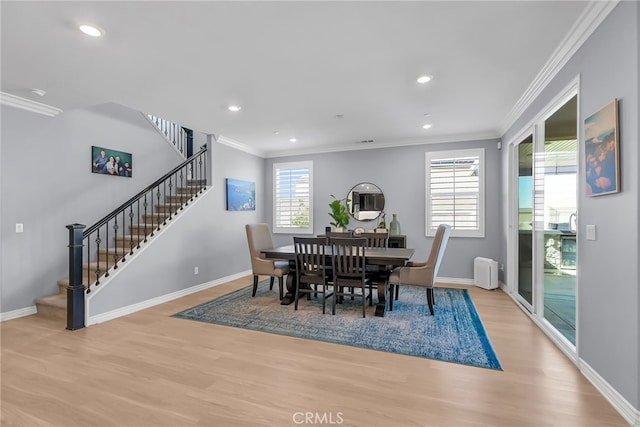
[[608, 295], [400, 173], [47, 183]]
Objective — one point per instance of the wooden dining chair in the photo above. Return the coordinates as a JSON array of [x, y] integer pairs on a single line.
[[422, 274], [258, 238], [349, 270], [377, 273], [311, 270]]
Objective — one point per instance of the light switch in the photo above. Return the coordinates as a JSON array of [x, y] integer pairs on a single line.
[[591, 232], [19, 228]]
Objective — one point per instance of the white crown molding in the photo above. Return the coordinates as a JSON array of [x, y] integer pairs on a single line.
[[585, 25], [29, 105], [384, 144], [225, 140]]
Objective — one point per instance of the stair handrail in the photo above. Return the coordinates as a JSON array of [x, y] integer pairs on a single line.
[[193, 180], [142, 192]]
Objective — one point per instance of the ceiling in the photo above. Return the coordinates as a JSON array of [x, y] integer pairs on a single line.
[[330, 74]]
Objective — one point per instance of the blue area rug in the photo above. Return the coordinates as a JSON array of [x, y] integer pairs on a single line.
[[454, 334]]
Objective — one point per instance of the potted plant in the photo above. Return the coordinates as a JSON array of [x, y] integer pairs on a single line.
[[339, 213]]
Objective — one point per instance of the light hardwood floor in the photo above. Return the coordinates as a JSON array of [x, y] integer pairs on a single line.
[[149, 369]]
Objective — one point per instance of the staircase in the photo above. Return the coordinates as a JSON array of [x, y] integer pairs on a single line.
[[55, 306]]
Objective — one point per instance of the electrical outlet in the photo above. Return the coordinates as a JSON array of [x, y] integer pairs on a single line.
[[195, 270], [19, 228], [591, 232]]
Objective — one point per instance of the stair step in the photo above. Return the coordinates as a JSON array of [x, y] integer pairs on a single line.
[[178, 198], [168, 207], [190, 189], [130, 239], [140, 228], [52, 306], [198, 182], [155, 218]]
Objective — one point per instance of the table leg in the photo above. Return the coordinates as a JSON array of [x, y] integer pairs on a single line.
[[381, 305], [290, 295]]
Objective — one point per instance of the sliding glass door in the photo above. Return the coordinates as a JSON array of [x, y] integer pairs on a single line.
[[546, 214]]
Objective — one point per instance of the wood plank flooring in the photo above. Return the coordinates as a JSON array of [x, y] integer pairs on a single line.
[[149, 369]]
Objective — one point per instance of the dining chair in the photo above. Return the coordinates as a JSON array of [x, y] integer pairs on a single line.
[[349, 270], [311, 271], [259, 238], [376, 240], [376, 273], [334, 234], [422, 274]]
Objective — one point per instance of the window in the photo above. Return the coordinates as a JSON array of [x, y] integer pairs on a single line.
[[292, 198], [455, 192]]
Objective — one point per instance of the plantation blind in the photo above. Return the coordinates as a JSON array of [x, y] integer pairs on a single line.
[[293, 198], [455, 192]]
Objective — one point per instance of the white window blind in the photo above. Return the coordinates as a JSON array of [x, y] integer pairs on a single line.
[[455, 192], [293, 198]]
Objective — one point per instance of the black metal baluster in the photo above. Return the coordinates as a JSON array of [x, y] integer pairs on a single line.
[[155, 216], [170, 214], [107, 257], [123, 231], [115, 249], [145, 204]]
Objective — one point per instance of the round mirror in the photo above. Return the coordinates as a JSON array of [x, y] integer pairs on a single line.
[[365, 202]]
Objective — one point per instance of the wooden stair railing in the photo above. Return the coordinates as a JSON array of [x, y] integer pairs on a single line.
[[96, 251]]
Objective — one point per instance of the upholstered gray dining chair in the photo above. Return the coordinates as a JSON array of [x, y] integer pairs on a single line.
[[259, 238], [422, 274]]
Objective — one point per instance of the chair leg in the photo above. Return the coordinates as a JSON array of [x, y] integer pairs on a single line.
[[255, 286], [430, 299], [281, 287], [364, 301], [333, 301], [397, 291], [391, 287], [271, 283]]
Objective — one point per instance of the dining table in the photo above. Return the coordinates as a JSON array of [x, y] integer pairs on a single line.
[[389, 257]]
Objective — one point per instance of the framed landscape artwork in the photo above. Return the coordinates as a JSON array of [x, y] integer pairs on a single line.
[[602, 151], [241, 195], [107, 161]]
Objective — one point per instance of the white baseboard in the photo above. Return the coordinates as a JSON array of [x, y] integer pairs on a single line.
[[454, 280], [622, 405], [21, 312], [123, 311]]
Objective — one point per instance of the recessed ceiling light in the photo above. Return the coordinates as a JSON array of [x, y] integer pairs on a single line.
[[234, 108], [91, 30], [292, 140], [427, 126], [424, 79]]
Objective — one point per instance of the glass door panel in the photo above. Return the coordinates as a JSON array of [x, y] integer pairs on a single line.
[[558, 165], [525, 220]]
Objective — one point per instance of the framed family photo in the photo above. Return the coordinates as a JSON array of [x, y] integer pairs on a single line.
[[107, 161], [602, 151], [241, 195]]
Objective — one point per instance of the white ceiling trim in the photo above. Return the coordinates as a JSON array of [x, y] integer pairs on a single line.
[[29, 105], [355, 146], [225, 140], [585, 25]]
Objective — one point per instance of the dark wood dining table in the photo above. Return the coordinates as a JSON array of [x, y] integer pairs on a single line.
[[373, 256]]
